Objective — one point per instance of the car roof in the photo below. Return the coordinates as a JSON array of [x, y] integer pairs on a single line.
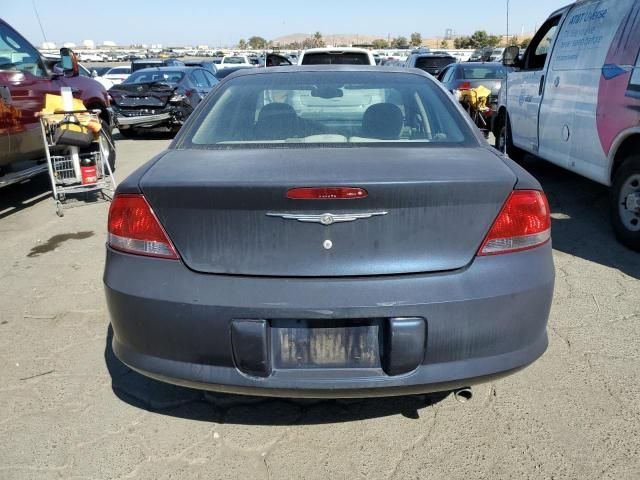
[[336, 49], [177, 68], [153, 60], [480, 64], [433, 55], [328, 68]]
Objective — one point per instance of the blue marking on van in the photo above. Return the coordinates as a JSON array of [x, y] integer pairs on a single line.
[[610, 71]]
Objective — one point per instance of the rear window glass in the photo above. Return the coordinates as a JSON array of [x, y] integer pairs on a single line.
[[338, 108], [431, 62], [335, 58], [155, 76], [235, 60], [483, 73]]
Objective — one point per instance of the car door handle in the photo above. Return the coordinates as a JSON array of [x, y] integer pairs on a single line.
[[541, 87]]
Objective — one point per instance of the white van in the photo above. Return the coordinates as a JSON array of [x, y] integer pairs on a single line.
[[574, 100]]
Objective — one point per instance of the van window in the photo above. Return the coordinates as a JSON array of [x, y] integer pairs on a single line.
[[540, 46]]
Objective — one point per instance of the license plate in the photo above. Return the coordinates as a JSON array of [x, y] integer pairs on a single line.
[[325, 343]]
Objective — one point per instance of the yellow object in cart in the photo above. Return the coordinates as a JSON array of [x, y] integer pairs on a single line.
[[476, 97], [54, 103]]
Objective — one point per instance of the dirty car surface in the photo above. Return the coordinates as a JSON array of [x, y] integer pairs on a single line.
[[329, 232]]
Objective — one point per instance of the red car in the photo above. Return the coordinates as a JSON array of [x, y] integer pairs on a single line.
[[25, 79]]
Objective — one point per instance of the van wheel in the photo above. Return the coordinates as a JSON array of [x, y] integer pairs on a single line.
[[625, 203], [503, 138]]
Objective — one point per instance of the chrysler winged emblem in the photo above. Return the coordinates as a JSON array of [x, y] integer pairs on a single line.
[[326, 218]]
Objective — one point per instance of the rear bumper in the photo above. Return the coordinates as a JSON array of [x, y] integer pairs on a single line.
[[483, 322]]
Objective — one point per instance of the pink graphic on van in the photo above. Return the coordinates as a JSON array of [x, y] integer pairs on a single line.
[[619, 92]]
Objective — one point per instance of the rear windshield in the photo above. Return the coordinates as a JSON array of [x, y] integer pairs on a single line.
[[434, 62], [141, 65], [165, 76], [483, 73], [235, 60], [338, 108], [336, 58]]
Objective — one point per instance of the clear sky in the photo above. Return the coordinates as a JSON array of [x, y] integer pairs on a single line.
[[193, 22]]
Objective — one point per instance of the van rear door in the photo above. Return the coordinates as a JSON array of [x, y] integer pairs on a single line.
[[526, 86]]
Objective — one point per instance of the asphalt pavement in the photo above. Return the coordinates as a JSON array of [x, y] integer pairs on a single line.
[[70, 410]]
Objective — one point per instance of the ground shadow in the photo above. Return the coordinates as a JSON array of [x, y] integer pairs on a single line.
[[146, 135], [142, 392], [19, 196], [581, 222]]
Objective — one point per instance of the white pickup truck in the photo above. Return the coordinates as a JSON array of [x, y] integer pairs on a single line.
[[336, 56], [573, 99], [234, 61]]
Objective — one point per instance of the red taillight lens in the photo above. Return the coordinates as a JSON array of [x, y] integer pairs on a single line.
[[523, 223], [134, 228], [465, 86], [327, 193]]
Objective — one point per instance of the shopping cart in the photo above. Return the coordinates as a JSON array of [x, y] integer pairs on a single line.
[[476, 102], [78, 163]]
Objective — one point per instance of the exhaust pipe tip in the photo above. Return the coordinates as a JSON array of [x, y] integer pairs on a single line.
[[463, 395]]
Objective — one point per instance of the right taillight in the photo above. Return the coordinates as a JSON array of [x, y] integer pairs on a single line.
[[523, 223], [134, 228]]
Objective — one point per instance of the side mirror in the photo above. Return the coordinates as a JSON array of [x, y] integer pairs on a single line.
[[94, 74], [69, 63], [510, 56]]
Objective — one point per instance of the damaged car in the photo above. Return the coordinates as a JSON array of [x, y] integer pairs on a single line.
[[159, 98]]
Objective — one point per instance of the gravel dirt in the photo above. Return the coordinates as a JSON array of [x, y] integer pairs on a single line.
[[70, 410]]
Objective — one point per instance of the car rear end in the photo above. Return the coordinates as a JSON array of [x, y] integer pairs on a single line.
[[323, 267], [433, 64]]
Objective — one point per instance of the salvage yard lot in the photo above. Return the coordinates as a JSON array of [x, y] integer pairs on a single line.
[[69, 409]]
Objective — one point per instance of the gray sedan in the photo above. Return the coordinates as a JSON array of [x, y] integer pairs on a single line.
[[329, 231]]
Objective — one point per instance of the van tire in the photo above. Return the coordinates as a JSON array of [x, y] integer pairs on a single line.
[[502, 135], [626, 223]]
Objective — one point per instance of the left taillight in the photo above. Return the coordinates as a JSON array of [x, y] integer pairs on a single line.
[[523, 223], [135, 229]]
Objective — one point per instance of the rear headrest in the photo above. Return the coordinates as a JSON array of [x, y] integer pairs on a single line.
[[277, 121], [383, 121]]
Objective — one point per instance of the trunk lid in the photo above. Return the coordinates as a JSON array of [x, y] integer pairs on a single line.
[[151, 94], [439, 204]]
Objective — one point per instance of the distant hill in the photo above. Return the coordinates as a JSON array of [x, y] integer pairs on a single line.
[[335, 39]]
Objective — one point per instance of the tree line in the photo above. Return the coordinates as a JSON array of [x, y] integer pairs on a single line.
[[479, 39]]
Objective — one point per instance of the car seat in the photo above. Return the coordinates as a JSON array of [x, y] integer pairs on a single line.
[[277, 121], [383, 121]]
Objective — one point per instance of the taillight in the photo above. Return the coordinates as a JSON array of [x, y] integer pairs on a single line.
[[327, 193], [465, 86], [134, 228], [523, 223]]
